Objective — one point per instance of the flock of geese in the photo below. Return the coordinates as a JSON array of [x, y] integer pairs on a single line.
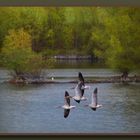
[[79, 96]]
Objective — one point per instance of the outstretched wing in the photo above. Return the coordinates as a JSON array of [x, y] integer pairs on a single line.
[[66, 112], [94, 97], [81, 79], [67, 99]]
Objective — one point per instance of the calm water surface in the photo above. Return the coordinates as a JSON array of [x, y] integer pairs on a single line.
[[33, 108]]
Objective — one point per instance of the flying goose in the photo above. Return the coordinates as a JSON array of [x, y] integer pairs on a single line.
[[67, 105], [80, 89], [94, 101]]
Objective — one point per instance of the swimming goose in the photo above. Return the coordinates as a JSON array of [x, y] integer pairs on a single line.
[[67, 105], [94, 101]]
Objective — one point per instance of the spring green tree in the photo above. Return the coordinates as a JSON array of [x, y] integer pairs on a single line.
[[125, 40], [17, 54], [117, 38]]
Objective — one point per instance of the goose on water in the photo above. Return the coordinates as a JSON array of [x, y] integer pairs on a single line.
[[94, 101], [67, 105]]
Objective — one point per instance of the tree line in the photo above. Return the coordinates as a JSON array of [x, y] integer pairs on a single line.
[[110, 34]]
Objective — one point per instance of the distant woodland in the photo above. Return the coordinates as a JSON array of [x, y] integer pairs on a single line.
[[28, 35]]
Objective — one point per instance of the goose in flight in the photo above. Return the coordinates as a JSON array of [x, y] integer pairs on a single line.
[[78, 92], [80, 89], [94, 101], [67, 105]]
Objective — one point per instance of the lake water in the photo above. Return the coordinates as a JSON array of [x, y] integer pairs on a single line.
[[34, 108]]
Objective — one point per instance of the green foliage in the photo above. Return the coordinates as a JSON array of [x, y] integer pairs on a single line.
[[30, 18], [110, 34], [18, 55], [34, 24], [118, 38], [127, 41]]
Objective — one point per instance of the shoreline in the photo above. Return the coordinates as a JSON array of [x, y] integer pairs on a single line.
[[114, 79]]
